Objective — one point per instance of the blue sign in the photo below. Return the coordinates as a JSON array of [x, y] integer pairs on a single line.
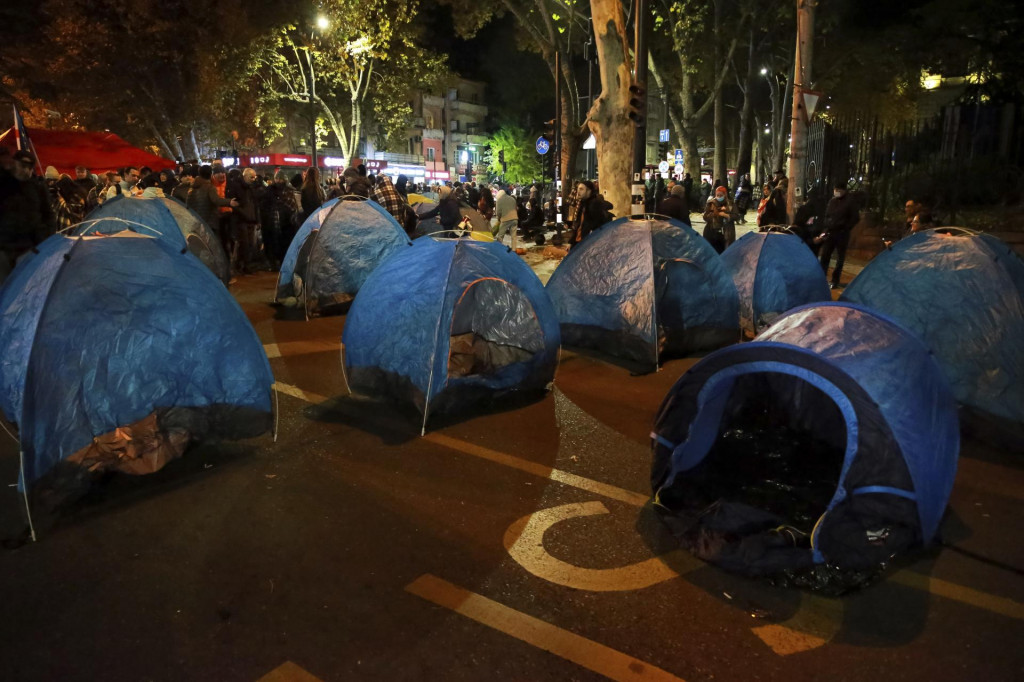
[[679, 156], [663, 135], [543, 145]]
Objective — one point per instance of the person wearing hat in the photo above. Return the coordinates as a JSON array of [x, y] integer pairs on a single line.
[[26, 215], [841, 216]]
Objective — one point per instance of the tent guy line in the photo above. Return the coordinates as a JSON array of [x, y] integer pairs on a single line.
[[906, 577]]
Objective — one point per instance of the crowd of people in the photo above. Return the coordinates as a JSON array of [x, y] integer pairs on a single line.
[[256, 215]]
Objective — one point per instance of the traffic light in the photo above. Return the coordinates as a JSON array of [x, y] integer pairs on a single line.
[[663, 151], [501, 156], [549, 130], [637, 104]]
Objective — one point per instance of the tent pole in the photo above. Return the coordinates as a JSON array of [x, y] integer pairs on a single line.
[[277, 411], [24, 483]]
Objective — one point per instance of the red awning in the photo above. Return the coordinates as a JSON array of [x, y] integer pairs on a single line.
[[99, 152]]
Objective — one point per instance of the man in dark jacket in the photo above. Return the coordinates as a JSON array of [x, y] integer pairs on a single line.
[[204, 200], [245, 217], [26, 216], [675, 206], [841, 216]]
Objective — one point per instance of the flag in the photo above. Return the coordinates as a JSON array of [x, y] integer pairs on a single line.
[[22, 138]]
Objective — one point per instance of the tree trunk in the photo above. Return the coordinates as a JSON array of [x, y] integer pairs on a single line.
[[195, 144], [744, 147], [781, 130], [160, 139], [721, 167], [612, 130]]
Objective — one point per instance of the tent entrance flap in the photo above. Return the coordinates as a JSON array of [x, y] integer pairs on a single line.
[[493, 326]]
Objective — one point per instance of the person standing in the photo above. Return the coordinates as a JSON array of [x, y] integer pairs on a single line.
[[385, 194], [312, 193], [244, 217], [592, 211], [26, 216], [705, 192], [774, 210], [744, 192], [718, 220], [204, 199], [841, 215], [508, 216], [675, 206]]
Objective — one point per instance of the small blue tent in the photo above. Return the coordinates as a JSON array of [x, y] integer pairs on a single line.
[[773, 272], [856, 382], [334, 252], [101, 333], [165, 218], [447, 321], [635, 289], [964, 296]]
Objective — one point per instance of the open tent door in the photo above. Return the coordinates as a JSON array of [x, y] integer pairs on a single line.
[[493, 326]]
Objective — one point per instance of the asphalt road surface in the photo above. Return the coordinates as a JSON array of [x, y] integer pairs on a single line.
[[516, 545]]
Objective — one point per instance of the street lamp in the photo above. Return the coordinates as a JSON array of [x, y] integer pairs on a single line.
[[322, 23]]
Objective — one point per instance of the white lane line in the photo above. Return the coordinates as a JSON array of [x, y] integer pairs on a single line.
[[585, 652]]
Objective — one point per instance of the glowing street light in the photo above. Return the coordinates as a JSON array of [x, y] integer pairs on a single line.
[[764, 71], [323, 23]]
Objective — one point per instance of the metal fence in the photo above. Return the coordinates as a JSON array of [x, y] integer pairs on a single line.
[[965, 157]]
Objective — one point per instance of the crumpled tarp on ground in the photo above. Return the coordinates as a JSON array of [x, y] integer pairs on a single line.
[[632, 283], [166, 218], [399, 333], [773, 273], [100, 332], [964, 297], [887, 411]]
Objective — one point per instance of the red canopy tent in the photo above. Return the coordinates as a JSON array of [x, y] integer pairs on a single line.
[[99, 152]]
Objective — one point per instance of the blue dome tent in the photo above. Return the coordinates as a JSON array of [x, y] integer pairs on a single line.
[[112, 335], [165, 218], [873, 478], [964, 297], [334, 252], [635, 289], [450, 321], [773, 273]]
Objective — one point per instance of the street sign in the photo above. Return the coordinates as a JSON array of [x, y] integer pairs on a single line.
[[663, 167], [679, 157], [679, 168], [543, 145], [811, 98], [663, 135]]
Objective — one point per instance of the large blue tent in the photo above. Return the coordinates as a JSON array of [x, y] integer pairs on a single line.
[[637, 288], [449, 319], [855, 381], [334, 252], [773, 272], [964, 296], [164, 218], [101, 333]]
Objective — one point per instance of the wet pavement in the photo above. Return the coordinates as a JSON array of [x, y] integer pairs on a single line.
[[516, 545]]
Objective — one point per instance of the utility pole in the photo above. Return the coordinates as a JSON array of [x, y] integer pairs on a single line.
[[801, 82], [639, 90], [557, 160]]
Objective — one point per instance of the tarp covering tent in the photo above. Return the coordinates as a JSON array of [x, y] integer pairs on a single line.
[[120, 350], [165, 218], [334, 252], [450, 321], [99, 152], [773, 273], [964, 296], [880, 419], [635, 289]]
